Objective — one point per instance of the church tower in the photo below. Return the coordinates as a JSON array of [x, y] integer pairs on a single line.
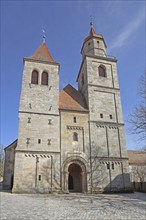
[[98, 82], [38, 152], [70, 141]]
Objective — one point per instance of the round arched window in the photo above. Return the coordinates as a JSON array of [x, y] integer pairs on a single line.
[[102, 71], [44, 80], [34, 77], [75, 136]]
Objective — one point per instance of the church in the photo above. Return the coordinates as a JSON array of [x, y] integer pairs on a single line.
[[70, 140]]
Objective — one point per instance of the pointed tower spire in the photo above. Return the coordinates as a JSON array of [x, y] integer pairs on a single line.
[[94, 44], [42, 53]]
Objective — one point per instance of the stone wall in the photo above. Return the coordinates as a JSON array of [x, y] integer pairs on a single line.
[[9, 166], [74, 151], [38, 137], [37, 172], [108, 145]]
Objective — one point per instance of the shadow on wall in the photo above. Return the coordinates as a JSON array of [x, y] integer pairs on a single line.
[[120, 184], [139, 186]]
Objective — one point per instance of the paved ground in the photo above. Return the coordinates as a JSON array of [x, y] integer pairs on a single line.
[[73, 207]]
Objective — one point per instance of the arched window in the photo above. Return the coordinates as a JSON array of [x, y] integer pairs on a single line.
[[75, 136], [34, 77], [44, 80], [102, 71]]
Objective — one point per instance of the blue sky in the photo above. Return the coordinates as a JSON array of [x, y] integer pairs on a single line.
[[66, 23]]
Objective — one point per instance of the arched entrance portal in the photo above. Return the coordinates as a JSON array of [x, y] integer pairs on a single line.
[[75, 182]]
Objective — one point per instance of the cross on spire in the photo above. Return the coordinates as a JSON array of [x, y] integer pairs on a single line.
[[44, 36], [91, 21]]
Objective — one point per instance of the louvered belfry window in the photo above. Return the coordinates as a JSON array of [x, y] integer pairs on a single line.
[[102, 71], [44, 80], [34, 77]]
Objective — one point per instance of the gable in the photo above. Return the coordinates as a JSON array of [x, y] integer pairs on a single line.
[[71, 99]]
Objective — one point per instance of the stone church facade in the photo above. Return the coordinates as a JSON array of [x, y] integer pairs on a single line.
[[72, 140]]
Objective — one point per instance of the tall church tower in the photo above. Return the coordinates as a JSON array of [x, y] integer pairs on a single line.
[[71, 140], [38, 153], [98, 82]]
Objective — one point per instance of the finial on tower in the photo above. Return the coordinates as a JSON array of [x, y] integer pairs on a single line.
[[91, 21], [44, 36]]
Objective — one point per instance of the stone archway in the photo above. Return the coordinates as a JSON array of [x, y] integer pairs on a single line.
[[75, 178], [75, 174]]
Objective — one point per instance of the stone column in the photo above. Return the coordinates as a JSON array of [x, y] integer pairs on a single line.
[[83, 182], [65, 175]]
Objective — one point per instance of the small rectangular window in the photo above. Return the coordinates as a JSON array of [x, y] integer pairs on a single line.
[[112, 166], [49, 121], [101, 115], [39, 141], [39, 177], [49, 141], [108, 166], [110, 116], [75, 119]]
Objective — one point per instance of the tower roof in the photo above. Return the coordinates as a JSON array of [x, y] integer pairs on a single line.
[[137, 157], [42, 54], [92, 34]]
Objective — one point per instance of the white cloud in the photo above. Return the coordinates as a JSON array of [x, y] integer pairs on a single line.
[[129, 29]]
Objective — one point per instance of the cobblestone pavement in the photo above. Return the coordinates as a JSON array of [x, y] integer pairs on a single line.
[[73, 206]]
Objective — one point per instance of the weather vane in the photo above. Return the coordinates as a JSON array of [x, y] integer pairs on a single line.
[[91, 21], [44, 36]]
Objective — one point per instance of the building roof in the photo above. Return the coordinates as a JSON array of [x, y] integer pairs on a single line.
[[42, 54], [137, 157], [12, 145], [71, 99], [93, 34]]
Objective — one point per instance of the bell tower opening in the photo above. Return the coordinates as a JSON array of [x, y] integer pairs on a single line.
[[75, 178]]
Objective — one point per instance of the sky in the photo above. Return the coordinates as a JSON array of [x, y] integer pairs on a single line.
[[66, 24]]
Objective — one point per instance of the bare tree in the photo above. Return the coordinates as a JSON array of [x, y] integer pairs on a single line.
[[140, 172], [137, 118], [138, 176]]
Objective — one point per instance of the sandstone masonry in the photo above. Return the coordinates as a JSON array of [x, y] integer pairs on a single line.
[[70, 141]]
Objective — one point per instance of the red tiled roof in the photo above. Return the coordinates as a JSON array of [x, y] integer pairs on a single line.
[[93, 34], [137, 157], [71, 99], [43, 54]]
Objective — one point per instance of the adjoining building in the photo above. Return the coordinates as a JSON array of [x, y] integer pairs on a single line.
[[137, 168], [72, 140]]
